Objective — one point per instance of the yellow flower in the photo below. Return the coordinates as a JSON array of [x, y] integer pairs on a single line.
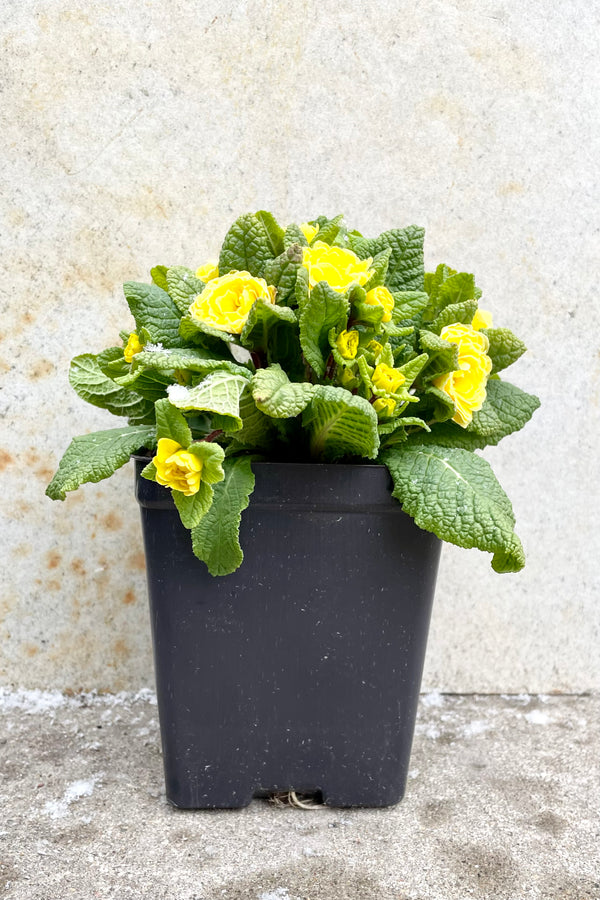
[[208, 271], [387, 379], [347, 344], [309, 231], [338, 267], [380, 296], [481, 319], [225, 302], [384, 406], [466, 385], [375, 347], [349, 379], [177, 468], [132, 347]]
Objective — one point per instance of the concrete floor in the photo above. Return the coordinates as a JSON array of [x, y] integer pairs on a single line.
[[502, 802]]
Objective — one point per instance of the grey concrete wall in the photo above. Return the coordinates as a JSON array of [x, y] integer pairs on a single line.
[[133, 133]]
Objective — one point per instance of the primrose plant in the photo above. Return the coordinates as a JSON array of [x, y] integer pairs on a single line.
[[310, 343]]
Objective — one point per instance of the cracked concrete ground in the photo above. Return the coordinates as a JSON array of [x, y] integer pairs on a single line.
[[502, 802]]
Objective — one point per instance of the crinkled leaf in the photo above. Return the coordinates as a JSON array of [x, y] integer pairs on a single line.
[[277, 396], [413, 368], [408, 305], [159, 276], [340, 424], [325, 309], [189, 360], [294, 235], [172, 424], [216, 539], [449, 434], [247, 247], [506, 409], [505, 347], [257, 431], [192, 509], [153, 310], [273, 230], [443, 355], [151, 385], [405, 270], [456, 312], [92, 457], [212, 456], [455, 494], [196, 331], [448, 288], [282, 273], [302, 289], [92, 385], [329, 228], [183, 285], [379, 268], [263, 321], [219, 393]]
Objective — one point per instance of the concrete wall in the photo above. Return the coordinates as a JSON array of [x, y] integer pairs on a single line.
[[134, 133]]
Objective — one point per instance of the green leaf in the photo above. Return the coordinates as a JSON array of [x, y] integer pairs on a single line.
[[408, 305], [443, 355], [263, 321], [455, 494], [446, 288], [328, 228], [505, 347], [212, 456], [92, 457], [219, 393], [273, 230], [449, 434], [151, 385], [189, 360], [247, 247], [302, 289], [456, 312], [153, 309], [172, 424], [257, 430], [195, 330], [506, 409], [325, 309], [413, 368], [92, 385], [277, 396], [340, 424], [192, 509], [294, 235], [379, 268], [159, 276], [183, 286], [216, 539], [283, 272], [405, 271]]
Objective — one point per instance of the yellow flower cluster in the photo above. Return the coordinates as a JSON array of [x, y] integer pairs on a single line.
[[466, 385], [226, 301], [335, 265], [177, 468]]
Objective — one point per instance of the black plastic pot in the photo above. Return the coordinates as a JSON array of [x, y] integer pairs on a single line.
[[301, 671]]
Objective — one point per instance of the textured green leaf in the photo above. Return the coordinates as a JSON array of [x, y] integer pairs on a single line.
[[196, 331], [219, 393], [448, 287], [172, 424], [294, 235], [408, 305], [92, 385], [212, 456], [273, 230], [456, 312], [505, 347], [340, 424], [247, 247], [302, 290], [506, 409], [153, 309], [216, 539], [192, 509], [151, 385], [283, 272], [379, 268], [159, 276], [455, 494], [277, 396], [449, 434], [92, 457], [264, 321], [443, 355], [190, 360], [257, 431], [325, 309], [329, 228], [405, 270], [183, 286]]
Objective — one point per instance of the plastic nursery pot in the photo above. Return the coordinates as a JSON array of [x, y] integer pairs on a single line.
[[301, 671]]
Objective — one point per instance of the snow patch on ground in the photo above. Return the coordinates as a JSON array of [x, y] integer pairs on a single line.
[[277, 894], [478, 726], [433, 698], [58, 809], [538, 717]]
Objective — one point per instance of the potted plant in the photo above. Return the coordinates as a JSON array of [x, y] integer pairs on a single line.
[[326, 382]]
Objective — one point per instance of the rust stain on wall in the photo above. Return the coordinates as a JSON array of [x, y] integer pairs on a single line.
[[129, 598], [5, 460], [53, 559], [40, 369], [111, 521], [137, 561], [78, 567], [510, 188]]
